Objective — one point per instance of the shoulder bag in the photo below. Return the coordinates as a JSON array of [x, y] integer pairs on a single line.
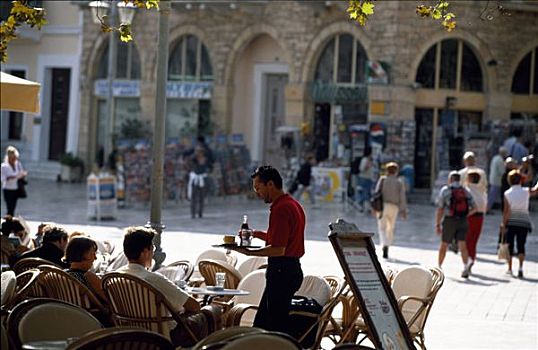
[[377, 198]]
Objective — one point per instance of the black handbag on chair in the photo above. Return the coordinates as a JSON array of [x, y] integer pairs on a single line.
[[21, 190]]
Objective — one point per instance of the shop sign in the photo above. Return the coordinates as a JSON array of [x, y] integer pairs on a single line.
[[377, 72], [333, 93], [120, 88], [194, 90]]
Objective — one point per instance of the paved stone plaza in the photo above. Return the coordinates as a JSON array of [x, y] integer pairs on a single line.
[[490, 310]]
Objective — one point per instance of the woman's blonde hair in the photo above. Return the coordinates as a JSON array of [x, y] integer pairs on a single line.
[[11, 151]]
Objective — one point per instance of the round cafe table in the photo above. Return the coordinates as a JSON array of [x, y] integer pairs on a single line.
[[210, 293]]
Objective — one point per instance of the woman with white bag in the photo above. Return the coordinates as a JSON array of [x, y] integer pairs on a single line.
[[516, 223]]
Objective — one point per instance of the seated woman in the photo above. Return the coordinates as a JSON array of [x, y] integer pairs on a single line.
[[13, 238], [80, 254]]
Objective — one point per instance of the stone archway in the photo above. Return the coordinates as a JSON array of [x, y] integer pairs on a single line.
[[482, 53]]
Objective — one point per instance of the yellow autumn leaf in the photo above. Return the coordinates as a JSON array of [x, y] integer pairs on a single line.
[[368, 8]]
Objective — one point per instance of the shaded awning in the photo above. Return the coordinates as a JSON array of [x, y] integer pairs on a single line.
[[19, 95]]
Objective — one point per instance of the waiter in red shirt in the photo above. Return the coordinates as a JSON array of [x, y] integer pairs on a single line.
[[284, 245]]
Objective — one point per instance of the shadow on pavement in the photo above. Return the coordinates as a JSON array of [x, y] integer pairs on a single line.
[[489, 278]]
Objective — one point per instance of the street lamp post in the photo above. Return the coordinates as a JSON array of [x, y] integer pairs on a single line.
[[158, 134]]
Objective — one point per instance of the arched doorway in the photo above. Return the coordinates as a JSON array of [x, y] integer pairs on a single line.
[[259, 107]]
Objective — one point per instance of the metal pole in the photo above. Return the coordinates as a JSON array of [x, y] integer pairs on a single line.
[[112, 54], [158, 133]]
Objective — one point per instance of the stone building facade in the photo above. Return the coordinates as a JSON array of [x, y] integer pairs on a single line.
[[258, 65]]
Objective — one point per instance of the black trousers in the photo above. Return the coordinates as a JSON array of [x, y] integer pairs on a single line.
[[11, 197], [283, 278], [197, 201]]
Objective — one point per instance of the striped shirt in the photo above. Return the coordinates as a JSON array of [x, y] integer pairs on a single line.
[[518, 199]]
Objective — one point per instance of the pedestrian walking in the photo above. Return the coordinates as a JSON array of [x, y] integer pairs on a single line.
[[11, 172], [304, 180], [496, 171], [516, 222], [366, 179], [476, 220], [454, 204], [394, 203], [469, 160], [197, 182], [509, 165], [284, 246], [515, 148]]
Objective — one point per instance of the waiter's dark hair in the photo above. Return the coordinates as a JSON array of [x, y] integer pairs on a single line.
[[267, 173], [54, 233]]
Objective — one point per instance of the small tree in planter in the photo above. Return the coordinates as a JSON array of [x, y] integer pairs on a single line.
[[71, 167]]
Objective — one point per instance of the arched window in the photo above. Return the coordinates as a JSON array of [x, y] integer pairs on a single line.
[[127, 62], [342, 61], [189, 61], [526, 76], [450, 64]]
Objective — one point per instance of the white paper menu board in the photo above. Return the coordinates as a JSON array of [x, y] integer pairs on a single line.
[[374, 295]]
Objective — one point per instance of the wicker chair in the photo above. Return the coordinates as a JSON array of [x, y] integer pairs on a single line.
[[136, 303], [209, 267], [60, 285], [415, 289], [224, 335], [120, 338], [27, 286], [251, 264], [262, 341], [245, 307], [182, 269], [30, 263], [48, 319]]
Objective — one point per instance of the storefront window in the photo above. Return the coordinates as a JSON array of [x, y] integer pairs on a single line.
[[426, 70], [451, 51], [126, 109], [521, 83], [189, 61], [346, 54], [449, 61], [189, 69], [127, 64], [325, 69], [345, 58], [181, 118]]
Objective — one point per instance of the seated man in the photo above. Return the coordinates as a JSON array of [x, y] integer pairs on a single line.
[[53, 248], [138, 247]]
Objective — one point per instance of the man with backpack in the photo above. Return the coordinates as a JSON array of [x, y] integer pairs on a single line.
[[454, 204]]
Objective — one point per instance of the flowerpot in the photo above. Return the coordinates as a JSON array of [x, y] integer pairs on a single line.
[[71, 174]]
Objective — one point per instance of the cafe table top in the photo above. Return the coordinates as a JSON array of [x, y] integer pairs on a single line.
[[219, 292], [45, 345]]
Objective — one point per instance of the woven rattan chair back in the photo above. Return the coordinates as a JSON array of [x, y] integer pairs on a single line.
[[60, 285], [209, 267], [136, 303], [186, 266], [30, 263]]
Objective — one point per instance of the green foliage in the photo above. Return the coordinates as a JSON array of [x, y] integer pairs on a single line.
[[124, 29], [439, 12], [71, 160], [359, 10], [20, 13], [134, 129]]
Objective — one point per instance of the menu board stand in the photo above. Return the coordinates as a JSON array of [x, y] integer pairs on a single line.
[[356, 253]]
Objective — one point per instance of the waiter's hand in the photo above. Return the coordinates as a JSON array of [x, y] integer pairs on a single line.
[[240, 249]]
